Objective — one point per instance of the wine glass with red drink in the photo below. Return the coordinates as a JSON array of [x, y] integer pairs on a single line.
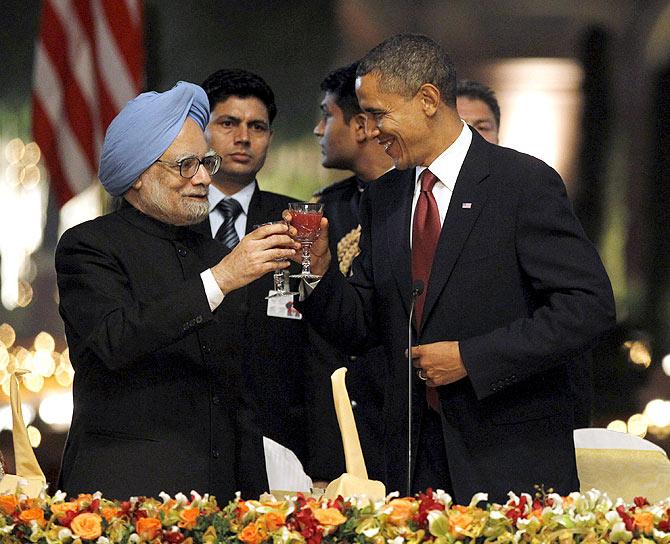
[[306, 219], [280, 279]]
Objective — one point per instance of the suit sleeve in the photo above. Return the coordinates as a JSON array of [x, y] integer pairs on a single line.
[[572, 293], [104, 319], [341, 309]]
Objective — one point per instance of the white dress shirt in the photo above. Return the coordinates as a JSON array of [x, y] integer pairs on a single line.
[[214, 294], [446, 167], [243, 196]]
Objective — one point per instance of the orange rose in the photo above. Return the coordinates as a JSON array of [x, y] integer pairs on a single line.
[[329, 516], [242, 509], [167, 505], [188, 518], [148, 528], [33, 514], [60, 508], [459, 522], [252, 534], [87, 526], [644, 522], [110, 512], [402, 511], [8, 504], [274, 520]]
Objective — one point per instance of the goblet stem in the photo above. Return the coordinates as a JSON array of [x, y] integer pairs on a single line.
[[279, 281], [306, 258]]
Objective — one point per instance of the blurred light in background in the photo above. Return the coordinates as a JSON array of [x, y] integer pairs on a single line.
[[639, 352], [6, 415], [86, 205], [23, 198], [34, 436], [618, 425], [56, 410], [637, 425], [665, 363], [540, 102], [657, 413]]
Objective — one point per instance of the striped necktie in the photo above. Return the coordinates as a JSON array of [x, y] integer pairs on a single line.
[[227, 235]]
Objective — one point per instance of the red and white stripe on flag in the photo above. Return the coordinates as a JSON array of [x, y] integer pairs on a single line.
[[89, 61]]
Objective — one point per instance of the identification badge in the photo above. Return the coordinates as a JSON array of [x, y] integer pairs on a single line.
[[282, 306]]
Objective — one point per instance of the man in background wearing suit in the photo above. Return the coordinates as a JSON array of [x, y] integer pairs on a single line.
[[141, 296], [345, 146], [271, 338], [513, 291], [478, 107]]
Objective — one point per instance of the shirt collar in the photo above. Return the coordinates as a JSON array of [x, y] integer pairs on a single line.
[[243, 196], [448, 164]]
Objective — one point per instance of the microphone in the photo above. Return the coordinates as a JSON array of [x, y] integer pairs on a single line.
[[417, 290]]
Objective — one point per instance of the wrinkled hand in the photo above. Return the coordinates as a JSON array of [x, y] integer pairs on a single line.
[[255, 256], [320, 248], [440, 362]]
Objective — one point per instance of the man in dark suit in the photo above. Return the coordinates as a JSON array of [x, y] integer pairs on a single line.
[[144, 300], [270, 336], [345, 145], [513, 293]]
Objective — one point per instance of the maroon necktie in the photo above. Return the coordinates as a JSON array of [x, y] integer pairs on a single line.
[[425, 234]]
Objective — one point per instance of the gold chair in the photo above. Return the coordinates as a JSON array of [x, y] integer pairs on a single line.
[[622, 465]]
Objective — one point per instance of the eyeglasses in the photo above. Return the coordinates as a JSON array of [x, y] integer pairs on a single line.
[[188, 167]]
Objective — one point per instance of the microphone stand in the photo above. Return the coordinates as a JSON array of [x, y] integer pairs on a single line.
[[417, 289]]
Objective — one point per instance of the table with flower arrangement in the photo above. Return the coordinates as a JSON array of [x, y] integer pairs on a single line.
[[427, 517]]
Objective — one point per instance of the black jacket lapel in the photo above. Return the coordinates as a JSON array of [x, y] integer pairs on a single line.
[[398, 204], [467, 202]]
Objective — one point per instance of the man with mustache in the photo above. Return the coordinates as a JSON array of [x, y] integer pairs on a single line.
[[143, 297], [271, 337]]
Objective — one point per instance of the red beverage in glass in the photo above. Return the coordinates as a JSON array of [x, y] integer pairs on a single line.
[[307, 225], [306, 218]]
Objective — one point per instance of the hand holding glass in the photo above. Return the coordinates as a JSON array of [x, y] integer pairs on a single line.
[[306, 219], [281, 286]]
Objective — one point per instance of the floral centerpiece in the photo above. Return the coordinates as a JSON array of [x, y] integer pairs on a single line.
[[590, 517]]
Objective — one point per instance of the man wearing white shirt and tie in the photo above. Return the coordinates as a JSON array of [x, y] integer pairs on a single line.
[[513, 292], [270, 335]]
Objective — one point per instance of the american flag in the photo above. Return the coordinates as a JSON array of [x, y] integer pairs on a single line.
[[89, 62]]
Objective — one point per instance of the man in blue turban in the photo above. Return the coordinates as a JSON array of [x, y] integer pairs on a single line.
[[156, 406]]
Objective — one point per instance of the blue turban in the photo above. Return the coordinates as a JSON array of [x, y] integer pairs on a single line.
[[144, 129]]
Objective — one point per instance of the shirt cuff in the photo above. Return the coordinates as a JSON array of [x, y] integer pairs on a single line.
[[212, 290]]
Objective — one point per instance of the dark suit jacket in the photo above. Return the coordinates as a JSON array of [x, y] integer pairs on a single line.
[[269, 351], [155, 396], [516, 282], [364, 383]]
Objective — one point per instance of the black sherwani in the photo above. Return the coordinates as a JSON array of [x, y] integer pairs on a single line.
[[155, 394], [516, 282], [269, 352]]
